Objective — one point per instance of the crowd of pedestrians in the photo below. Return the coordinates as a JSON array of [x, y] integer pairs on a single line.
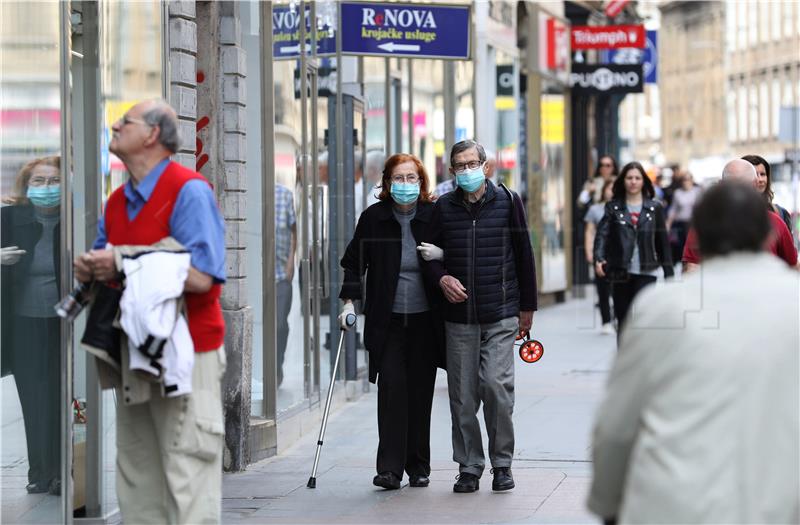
[[451, 283], [671, 208]]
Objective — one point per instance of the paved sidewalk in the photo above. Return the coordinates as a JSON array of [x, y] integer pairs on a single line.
[[555, 403]]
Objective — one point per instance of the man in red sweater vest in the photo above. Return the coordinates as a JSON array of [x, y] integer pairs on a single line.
[[169, 450]]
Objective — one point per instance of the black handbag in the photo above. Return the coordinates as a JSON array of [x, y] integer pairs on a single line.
[[100, 332]]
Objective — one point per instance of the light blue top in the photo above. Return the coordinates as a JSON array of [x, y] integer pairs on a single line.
[[196, 221]]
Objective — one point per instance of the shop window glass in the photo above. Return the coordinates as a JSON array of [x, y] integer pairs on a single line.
[[428, 113], [553, 200], [289, 223], [130, 71], [30, 188]]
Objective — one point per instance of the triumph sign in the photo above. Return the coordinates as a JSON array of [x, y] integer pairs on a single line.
[[606, 79], [607, 37]]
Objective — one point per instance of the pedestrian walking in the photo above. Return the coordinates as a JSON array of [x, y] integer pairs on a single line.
[[602, 286], [488, 277], [779, 242], [680, 213], [285, 249], [169, 449], [592, 191], [764, 186], [31, 341], [695, 427], [450, 184], [403, 330], [632, 242]]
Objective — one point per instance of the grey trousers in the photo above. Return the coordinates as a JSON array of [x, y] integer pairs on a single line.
[[480, 367]]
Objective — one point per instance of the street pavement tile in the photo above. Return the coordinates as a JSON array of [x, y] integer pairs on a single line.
[[555, 404]]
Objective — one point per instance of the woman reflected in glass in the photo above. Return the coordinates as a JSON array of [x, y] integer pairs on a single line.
[[30, 327]]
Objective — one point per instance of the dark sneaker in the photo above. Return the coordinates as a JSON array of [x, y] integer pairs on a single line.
[[37, 487], [466, 482], [387, 480], [55, 487], [502, 479], [419, 481]]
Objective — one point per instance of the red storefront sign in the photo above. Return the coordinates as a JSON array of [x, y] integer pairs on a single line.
[[614, 7], [607, 37], [557, 52]]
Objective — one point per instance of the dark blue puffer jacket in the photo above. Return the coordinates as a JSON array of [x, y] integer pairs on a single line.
[[479, 252]]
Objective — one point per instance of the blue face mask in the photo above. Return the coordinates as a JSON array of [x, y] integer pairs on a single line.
[[404, 192], [470, 180], [44, 196]]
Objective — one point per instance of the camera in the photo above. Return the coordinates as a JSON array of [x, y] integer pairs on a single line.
[[71, 305]]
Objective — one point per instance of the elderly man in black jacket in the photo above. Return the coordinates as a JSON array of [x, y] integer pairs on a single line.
[[488, 277]]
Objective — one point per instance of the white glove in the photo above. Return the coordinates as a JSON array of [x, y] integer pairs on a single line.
[[430, 252], [347, 309], [11, 255]]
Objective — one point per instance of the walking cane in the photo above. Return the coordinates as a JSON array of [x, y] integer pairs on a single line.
[[350, 320]]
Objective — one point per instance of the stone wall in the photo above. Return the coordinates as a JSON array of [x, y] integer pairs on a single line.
[[207, 72]]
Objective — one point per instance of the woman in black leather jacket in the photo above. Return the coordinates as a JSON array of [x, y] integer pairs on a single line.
[[631, 242]]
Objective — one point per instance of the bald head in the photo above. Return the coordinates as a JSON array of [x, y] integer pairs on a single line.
[[739, 170]]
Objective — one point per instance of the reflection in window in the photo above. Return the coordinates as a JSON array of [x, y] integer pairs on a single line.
[[30, 188], [131, 69]]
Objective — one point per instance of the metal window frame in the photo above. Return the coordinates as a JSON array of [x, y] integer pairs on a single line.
[[65, 47]]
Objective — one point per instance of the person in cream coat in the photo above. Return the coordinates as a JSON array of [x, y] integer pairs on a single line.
[[700, 422]]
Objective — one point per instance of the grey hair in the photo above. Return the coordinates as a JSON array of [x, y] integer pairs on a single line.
[[464, 145], [163, 116]]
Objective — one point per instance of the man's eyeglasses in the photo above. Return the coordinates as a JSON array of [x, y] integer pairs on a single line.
[[471, 165], [41, 181], [412, 178], [131, 120]]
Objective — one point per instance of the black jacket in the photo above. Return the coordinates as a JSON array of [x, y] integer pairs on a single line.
[[19, 227], [376, 249], [616, 236], [487, 248]]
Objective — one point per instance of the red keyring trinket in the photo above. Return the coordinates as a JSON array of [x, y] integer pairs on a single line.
[[530, 350]]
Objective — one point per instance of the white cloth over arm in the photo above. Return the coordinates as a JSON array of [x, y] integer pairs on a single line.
[[158, 334]]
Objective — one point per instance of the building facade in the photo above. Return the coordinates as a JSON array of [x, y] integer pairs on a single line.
[[729, 69], [294, 147]]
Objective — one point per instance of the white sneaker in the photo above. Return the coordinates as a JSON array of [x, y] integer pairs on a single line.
[[607, 329]]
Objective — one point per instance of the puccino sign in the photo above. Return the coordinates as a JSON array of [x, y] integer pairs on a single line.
[[607, 37], [606, 79]]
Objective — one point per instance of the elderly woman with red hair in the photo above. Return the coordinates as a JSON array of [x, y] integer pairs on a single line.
[[403, 332], [31, 343]]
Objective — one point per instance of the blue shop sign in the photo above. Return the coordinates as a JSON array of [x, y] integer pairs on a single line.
[[286, 33], [405, 30], [648, 57]]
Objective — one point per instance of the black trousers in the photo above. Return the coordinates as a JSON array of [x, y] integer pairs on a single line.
[[283, 303], [406, 378], [681, 231], [625, 291], [36, 366], [603, 298]]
